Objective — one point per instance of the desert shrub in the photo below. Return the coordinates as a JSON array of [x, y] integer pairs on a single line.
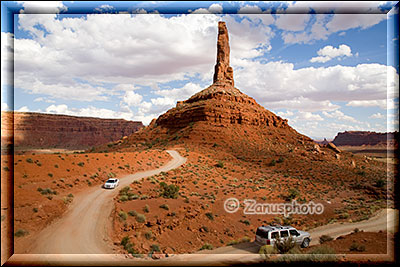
[[35, 210], [233, 242], [210, 216], [280, 160], [284, 245], [21, 232], [124, 190], [128, 246], [6, 169], [267, 250], [123, 198], [207, 246], [140, 218], [164, 206], [50, 174], [29, 160], [356, 247], [122, 215], [318, 254], [169, 191], [246, 222], [219, 164], [204, 228], [325, 238], [148, 235], [380, 183], [272, 163], [132, 213], [155, 247], [81, 164], [244, 239], [146, 208], [293, 193], [356, 230]]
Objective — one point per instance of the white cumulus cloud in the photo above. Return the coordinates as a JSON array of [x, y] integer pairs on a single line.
[[329, 52]]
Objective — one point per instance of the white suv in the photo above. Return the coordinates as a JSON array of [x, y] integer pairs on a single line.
[[266, 235], [111, 183]]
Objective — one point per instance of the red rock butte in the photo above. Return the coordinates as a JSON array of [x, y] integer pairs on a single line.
[[219, 114]]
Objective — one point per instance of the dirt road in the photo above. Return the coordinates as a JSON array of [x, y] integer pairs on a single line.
[[84, 228], [386, 220], [83, 232]]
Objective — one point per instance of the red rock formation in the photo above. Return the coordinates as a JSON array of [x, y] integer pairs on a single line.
[[37, 130], [223, 72], [359, 138], [220, 115]]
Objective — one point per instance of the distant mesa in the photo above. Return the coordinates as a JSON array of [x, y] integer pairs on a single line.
[[43, 131], [365, 138]]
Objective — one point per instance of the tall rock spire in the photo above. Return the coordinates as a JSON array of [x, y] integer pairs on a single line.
[[223, 72]]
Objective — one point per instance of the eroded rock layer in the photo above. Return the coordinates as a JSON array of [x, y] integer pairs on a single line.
[[38, 130]]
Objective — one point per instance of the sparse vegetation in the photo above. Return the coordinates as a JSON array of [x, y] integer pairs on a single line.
[[164, 206], [169, 191], [325, 238], [357, 247], [140, 218], [21, 232], [207, 246]]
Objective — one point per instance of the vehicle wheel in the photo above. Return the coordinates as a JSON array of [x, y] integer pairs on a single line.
[[306, 243]]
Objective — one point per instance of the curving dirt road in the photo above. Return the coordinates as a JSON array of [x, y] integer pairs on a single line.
[[84, 228], [385, 220]]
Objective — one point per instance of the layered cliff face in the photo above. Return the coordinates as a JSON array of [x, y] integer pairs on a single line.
[[220, 115], [37, 130], [359, 138]]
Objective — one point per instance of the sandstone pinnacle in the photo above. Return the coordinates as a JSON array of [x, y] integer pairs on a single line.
[[223, 72]]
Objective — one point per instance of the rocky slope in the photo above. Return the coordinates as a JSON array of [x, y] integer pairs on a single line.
[[37, 130], [359, 138]]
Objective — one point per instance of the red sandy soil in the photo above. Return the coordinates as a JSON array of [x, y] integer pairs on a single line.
[[347, 193], [367, 242], [65, 175]]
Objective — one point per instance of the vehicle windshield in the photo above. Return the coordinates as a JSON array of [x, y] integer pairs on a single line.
[[111, 181], [261, 233]]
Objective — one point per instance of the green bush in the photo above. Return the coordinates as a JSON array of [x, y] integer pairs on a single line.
[[220, 164], [132, 213], [29, 160], [20, 233], [380, 183], [148, 235], [81, 164], [210, 216], [146, 208], [169, 191], [325, 238], [207, 246], [357, 247], [122, 215], [140, 218], [267, 250], [155, 247], [164, 206], [123, 198], [284, 245]]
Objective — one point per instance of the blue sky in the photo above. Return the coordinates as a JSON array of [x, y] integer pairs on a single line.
[[313, 63]]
